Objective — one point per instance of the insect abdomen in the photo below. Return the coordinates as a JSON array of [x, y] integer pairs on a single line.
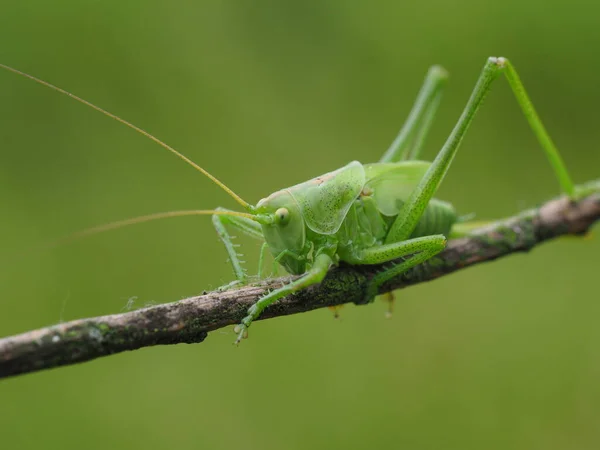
[[438, 218]]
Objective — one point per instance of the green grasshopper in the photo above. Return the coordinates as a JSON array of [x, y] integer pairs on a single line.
[[360, 214]]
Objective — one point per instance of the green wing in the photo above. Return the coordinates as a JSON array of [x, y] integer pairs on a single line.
[[390, 184], [324, 201]]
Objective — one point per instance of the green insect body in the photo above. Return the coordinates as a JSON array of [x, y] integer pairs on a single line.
[[344, 212], [359, 214]]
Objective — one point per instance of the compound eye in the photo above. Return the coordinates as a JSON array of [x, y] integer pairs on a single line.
[[282, 215]]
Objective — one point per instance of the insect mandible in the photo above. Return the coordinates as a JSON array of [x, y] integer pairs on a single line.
[[360, 214]]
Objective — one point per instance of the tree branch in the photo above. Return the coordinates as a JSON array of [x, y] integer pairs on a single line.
[[190, 320]]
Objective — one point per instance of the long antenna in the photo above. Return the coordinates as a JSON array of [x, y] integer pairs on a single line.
[[142, 219], [236, 197], [115, 225]]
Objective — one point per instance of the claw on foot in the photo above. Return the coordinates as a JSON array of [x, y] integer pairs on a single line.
[[335, 310], [228, 286], [242, 331], [389, 297]]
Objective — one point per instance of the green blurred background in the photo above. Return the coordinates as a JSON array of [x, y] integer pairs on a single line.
[[266, 94]]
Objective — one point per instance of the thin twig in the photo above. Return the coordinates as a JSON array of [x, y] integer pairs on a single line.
[[190, 320]]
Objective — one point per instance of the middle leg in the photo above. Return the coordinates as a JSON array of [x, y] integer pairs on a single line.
[[418, 250]]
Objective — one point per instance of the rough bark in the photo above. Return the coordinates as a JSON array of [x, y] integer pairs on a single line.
[[190, 320]]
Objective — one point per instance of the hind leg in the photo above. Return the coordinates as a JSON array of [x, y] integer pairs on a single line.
[[410, 139]]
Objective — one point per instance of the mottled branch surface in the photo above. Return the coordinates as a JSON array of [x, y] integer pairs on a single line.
[[190, 320]]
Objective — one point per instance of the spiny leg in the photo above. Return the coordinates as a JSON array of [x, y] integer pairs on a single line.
[[413, 209], [420, 250], [419, 119], [313, 276], [246, 226], [261, 259]]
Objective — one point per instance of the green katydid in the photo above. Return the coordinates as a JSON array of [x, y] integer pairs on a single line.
[[360, 214]]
